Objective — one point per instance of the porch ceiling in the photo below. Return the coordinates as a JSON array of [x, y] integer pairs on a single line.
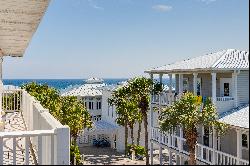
[[19, 20]]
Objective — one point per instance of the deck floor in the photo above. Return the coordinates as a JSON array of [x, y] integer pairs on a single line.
[[14, 122]]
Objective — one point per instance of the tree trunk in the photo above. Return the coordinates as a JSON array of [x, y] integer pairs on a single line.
[[126, 137], [191, 139], [139, 134], [145, 121]]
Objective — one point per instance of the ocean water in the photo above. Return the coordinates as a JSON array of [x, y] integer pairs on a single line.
[[60, 84]]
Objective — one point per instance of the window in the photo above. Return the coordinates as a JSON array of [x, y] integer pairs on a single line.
[[98, 105], [244, 141], [91, 104], [185, 84], [226, 89], [199, 86]]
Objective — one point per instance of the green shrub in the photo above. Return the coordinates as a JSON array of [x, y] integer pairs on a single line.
[[139, 150], [75, 153]]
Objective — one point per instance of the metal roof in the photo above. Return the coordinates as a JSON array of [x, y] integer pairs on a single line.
[[19, 20], [229, 59], [86, 90], [102, 126], [238, 117]]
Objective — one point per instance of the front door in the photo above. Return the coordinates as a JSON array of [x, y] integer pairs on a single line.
[[225, 87]]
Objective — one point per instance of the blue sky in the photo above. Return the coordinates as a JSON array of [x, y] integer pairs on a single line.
[[122, 38]]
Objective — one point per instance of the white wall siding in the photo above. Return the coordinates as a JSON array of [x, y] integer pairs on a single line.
[[243, 87]]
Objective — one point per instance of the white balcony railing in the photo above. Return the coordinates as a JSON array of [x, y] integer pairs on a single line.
[[164, 98], [224, 104], [204, 154], [46, 139]]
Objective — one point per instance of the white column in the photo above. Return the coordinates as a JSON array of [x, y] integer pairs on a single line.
[[234, 79], [160, 154], [151, 125], [160, 77], [151, 153], [181, 160], [214, 145], [213, 87], [239, 144], [180, 84], [181, 136], [170, 88], [160, 94], [195, 83], [170, 157], [151, 108]]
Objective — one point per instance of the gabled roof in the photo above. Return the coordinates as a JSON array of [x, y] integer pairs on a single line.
[[230, 59], [238, 117], [19, 20], [86, 90]]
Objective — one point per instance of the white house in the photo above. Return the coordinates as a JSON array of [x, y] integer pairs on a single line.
[[223, 76], [29, 134], [91, 95]]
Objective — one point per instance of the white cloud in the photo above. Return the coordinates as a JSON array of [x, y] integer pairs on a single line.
[[207, 1], [162, 8], [93, 5]]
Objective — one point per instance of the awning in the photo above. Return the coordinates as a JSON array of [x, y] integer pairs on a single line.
[[103, 127], [19, 20]]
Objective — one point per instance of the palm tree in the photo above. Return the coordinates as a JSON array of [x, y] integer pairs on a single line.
[[119, 100], [189, 113], [139, 89]]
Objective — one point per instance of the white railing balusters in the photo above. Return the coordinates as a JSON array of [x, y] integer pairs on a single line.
[[40, 150], [1, 151], [44, 133], [14, 150], [27, 146], [203, 153], [52, 150]]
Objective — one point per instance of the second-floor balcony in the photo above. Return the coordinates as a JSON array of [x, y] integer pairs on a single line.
[[165, 99], [29, 134]]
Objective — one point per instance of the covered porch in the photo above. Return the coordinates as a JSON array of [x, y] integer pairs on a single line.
[[220, 86]]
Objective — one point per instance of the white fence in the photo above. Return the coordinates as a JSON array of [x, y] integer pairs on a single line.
[[47, 140], [203, 153]]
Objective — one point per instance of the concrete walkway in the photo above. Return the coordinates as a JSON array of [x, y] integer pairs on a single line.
[[106, 156]]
